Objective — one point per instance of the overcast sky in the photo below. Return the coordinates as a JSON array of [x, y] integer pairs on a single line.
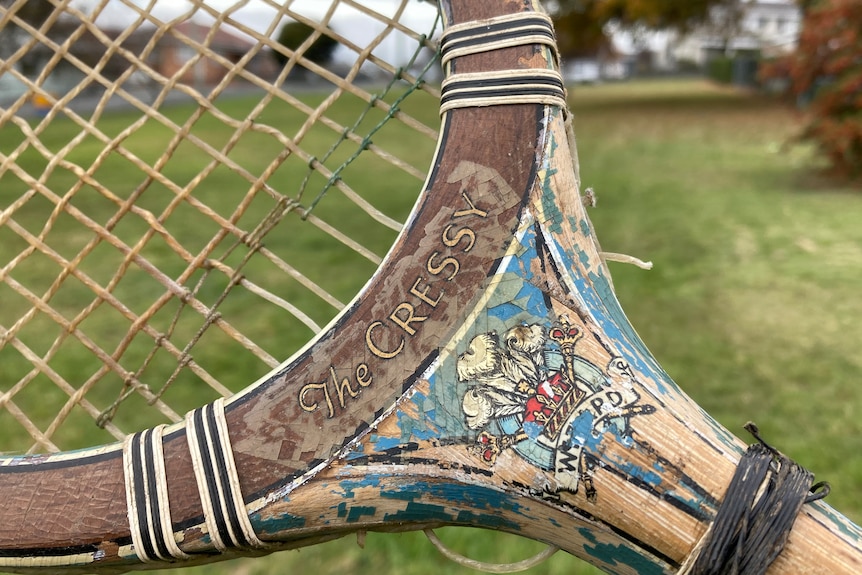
[[258, 15]]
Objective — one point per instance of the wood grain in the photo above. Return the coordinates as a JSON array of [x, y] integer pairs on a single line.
[[370, 427]]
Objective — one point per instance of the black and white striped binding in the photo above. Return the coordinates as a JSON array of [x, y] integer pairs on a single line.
[[218, 482], [497, 33], [503, 87], [147, 498]]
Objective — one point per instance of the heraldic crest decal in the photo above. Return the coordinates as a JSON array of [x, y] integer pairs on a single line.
[[533, 393]]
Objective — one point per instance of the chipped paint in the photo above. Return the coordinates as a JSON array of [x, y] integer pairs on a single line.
[[615, 556]]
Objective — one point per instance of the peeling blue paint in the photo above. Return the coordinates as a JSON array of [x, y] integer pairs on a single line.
[[281, 523], [348, 486], [504, 311], [383, 443], [474, 496], [645, 475], [521, 263], [418, 428], [355, 512], [553, 215], [585, 228], [477, 496], [616, 555], [357, 452], [488, 521], [420, 512], [604, 307], [583, 432], [844, 525], [534, 300]]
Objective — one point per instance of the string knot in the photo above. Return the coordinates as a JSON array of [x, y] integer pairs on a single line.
[[753, 522]]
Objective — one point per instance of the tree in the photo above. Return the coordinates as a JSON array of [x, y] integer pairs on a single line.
[[826, 77], [33, 13], [580, 24], [654, 13], [294, 34]]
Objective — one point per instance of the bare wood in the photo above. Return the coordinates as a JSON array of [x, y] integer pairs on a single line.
[[397, 416]]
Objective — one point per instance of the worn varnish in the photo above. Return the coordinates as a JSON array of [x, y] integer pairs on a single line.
[[487, 377]]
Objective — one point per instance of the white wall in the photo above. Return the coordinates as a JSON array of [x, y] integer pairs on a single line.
[[354, 25]]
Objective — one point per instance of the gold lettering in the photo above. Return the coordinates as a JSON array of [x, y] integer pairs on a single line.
[[310, 407], [373, 348], [341, 387], [473, 211], [363, 375], [411, 317], [423, 294], [461, 233], [436, 269]]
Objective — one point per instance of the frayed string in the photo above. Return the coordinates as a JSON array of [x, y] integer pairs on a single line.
[[489, 567], [625, 259]]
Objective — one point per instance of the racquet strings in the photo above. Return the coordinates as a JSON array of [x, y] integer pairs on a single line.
[[188, 194]]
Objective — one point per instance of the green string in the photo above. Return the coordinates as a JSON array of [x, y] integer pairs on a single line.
[[367, 140]]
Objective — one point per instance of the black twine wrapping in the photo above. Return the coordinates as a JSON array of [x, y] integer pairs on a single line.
[[754, 520]]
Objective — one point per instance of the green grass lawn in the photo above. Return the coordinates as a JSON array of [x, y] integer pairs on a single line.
[[753, 305], [117, 180]]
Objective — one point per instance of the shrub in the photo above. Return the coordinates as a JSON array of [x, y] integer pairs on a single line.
[[293, 34], [826, 78], [720, 69]]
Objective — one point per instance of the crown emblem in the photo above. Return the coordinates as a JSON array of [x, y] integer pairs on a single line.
[[566, 335]]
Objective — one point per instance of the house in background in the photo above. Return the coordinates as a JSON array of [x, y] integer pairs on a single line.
[[230, 45], [738, 37], [85, 51], [607, 62], [770, 27], [757, 29]]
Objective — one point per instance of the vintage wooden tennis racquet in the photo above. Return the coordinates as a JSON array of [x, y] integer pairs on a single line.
[[484, 376]]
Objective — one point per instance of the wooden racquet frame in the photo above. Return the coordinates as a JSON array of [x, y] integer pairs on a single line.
[[485, 377]]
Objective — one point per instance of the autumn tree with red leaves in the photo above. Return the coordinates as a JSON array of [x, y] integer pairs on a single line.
[[580, 24], [826, 76]]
